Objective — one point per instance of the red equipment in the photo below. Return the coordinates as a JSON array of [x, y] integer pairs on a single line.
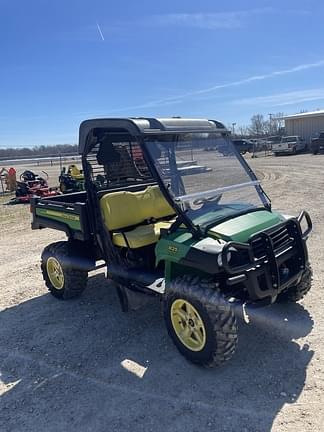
[[32, 185]]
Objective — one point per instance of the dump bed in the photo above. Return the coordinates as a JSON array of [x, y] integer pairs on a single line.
[[66, 213]]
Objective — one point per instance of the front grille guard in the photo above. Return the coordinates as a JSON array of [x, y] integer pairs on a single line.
[[271, 256]]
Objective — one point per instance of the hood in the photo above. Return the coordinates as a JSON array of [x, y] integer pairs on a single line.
[[242, 227]]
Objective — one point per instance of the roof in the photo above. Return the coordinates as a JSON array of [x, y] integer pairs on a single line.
[[317, 113], [144, 125]]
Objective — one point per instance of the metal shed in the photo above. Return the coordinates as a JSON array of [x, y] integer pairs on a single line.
[[306, 125]]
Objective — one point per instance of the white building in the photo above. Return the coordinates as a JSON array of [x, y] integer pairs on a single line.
[[306, 125]]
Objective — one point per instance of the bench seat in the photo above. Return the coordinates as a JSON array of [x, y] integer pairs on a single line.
[[140, 236], [122, 210]]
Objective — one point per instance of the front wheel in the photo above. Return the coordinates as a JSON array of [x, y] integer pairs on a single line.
[[61, 275], [200, 321], [297, 292]]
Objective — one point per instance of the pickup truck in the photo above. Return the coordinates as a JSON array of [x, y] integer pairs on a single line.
[[243, 145], [289, 145], [317, 144]]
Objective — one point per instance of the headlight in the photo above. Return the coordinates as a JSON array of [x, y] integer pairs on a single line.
[[229, 255], [219, 258]]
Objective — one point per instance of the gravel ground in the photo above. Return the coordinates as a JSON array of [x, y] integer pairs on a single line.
[[62, 364]]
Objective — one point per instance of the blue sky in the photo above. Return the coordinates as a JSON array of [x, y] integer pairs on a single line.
[[65, 61]]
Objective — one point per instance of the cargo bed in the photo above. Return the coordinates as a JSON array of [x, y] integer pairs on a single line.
[[66, 213]]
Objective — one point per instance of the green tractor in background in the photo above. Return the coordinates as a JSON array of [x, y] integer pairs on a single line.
[[71, 180]]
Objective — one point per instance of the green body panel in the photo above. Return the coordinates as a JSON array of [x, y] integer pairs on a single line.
[[173, 248], [73, 221], [242, 227]]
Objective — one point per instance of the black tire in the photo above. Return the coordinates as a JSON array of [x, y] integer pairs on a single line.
[[74, 278], [216, 313], [63, 187], [295, 293]]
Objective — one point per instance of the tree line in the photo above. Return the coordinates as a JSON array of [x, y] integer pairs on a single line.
[[38, 151], [261, 127]]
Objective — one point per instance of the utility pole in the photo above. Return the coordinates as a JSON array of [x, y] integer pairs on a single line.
[[270, 123], [233, 128]]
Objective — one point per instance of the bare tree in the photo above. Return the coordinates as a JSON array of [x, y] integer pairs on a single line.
[[277, 124], [259, 126], [243, 130]]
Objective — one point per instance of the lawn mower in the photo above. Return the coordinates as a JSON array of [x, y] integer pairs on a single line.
[[31, 185], [71, 180]]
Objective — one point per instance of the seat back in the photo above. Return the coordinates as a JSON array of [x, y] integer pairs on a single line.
[[74, 171], [124, 209]]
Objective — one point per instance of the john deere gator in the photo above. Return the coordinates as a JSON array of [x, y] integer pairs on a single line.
[[172, 210]]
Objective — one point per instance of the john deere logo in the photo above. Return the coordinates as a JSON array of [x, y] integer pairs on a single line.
[[173, 249]]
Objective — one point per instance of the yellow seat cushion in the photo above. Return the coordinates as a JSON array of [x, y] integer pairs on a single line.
[[140, 236], [125, 209], [74, 172]]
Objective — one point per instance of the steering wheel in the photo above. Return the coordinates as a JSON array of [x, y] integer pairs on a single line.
[[27, 176], [200, 201]]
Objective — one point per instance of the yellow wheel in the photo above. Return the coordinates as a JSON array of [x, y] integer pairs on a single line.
[[55, 273], [200, 321], [60, 272], [188, 325]]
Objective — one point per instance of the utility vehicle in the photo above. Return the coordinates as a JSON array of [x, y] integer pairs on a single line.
[[174, 211]]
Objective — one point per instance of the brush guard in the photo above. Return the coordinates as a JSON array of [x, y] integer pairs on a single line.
[[275, 259]]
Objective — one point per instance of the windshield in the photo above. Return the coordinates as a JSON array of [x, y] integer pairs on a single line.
[[205, 176], [274, 139], [289, 139]]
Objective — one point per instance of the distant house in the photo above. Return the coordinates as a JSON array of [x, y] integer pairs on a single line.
[[305, 125]]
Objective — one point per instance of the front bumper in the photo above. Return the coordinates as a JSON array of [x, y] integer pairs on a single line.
[[273, 260], [284, 150]]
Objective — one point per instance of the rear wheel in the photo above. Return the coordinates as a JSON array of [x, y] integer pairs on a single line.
[[63, 187], [295, 293], [200, 321], [63, 280]]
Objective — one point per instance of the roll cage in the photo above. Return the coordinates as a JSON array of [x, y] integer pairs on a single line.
[[100, 134]]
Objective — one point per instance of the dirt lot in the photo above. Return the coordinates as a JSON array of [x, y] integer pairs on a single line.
[[60, 362]]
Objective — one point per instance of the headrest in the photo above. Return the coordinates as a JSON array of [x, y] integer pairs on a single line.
[[107, 153]]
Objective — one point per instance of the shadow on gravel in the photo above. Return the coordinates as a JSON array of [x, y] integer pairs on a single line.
[[61, 369]]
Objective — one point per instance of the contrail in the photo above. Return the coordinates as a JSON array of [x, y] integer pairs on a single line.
[[179, 98], [100, 32], [176, 99]]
